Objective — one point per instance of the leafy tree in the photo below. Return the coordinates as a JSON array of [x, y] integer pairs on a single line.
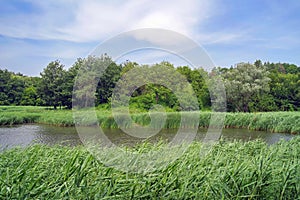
[[4, 88], [11, 87], [127, 66], [17, 89], [258, 63], [162, 85], [246, 85], [88, 78], [197, 78], [262, 103], [291, 68], [29, 96], [52, 84], [285, 91], [107, 82], [200, 86], [243, 83], [69, 82]]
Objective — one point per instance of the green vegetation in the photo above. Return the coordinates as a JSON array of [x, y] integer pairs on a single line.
[[256, 96], [257, 87], [244, 82], [288, 122], [285, 122], [236, 170], [10, 115]]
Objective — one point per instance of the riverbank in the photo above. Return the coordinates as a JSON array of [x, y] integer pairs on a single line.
[[251, 170], [281, 122]]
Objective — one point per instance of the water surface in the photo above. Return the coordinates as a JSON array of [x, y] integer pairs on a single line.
[[25, 135]]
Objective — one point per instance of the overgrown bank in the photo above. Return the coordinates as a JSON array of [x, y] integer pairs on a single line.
[[285, 122], [236, 170]]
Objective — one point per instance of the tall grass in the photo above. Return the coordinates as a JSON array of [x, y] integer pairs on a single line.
[[21, 118], [235, 170], [56, 117], [288, 122], [285, 122], [11, 115]]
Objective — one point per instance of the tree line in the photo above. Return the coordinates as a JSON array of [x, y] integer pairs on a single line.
[[249, 87]]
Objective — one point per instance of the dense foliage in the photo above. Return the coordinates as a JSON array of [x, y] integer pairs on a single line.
[[249, 87], [237, 170]]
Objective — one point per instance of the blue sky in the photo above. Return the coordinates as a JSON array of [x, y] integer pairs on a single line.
[[34, 33]]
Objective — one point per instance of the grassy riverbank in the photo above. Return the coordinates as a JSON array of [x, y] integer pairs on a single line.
[[236, 170], [285, 122]]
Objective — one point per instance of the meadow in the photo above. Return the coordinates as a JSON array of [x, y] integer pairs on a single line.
[[281, 122], [235, 170]]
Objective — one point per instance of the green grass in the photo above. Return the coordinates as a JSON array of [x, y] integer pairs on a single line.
[[11, 115], [285, 122], [237, 170]]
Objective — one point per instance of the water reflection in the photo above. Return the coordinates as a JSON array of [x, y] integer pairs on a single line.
[[25, 135], [29, 134], [52, 135]]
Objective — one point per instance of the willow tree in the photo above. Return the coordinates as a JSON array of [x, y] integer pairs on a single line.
[[243, 82]]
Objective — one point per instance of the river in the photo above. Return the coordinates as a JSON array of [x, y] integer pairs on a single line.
[[24, 135]]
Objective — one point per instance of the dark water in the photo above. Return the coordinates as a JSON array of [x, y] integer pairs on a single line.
[[25, 135]]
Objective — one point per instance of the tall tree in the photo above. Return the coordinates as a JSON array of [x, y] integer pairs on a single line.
[[243, 83], [52, 84], [107, 82], [4, 87], [285, 91], [87, 79], [162, 84], [70, 81]]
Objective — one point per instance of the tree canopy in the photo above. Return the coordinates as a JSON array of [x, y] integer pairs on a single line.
[[249, 87]]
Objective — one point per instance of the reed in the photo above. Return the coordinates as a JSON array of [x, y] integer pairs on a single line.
[[56, 117], [283, 122], [236, 170], [10, 118]]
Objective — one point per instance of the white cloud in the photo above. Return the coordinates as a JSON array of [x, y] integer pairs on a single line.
[[219, 37], [71, 28], [92, 20]]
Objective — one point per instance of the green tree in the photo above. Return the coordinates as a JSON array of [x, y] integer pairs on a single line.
[[162, 84], [243, 83], [29, 96], [285, 91], [262, 103], [16, 85], [69, 81], [127, 66], [197, 78], [4, 88], [258, 63], [13, 86], [107, 82], [52, 84], [86, 83]]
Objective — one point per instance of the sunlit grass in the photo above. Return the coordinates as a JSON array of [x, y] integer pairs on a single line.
[[237, 170], [286, 122]]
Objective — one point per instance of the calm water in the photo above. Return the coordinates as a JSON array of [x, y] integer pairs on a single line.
[[29, 134]]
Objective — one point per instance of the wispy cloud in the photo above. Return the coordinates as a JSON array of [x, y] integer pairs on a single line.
[[91, 20], [36, 32]]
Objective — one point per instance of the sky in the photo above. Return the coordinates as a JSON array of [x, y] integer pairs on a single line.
[[34, 33]]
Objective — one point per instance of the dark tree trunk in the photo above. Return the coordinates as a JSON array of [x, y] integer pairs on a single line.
[[156, 97]]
